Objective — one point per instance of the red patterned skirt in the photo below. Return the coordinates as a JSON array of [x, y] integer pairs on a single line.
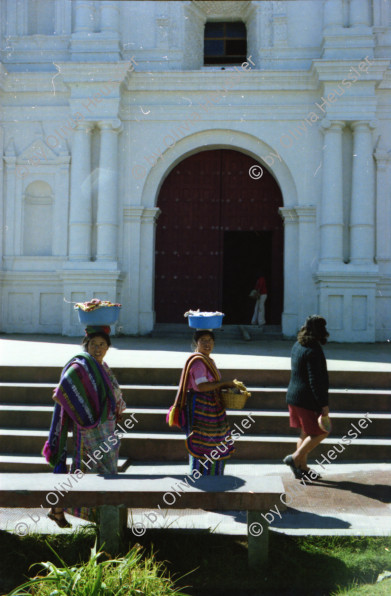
[[207, 431]]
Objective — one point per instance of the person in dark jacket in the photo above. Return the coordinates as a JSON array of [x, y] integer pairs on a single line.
[[307, 395]]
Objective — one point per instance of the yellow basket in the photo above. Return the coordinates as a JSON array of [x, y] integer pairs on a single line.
[[232, 400]]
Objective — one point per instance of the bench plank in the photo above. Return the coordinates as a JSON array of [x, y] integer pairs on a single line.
[[116, 493], [209, 493]]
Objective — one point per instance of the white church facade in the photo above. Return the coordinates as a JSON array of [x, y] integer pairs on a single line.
[[162, 154]]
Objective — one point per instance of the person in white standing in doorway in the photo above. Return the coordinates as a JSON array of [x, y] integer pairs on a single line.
[[260, 292]]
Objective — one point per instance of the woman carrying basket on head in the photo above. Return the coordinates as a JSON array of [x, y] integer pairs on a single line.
[[88, 400], [198, 409]]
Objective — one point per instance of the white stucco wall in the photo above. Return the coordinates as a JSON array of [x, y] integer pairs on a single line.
[[100, 101]]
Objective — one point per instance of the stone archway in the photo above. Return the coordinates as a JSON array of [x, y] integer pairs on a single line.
[[217, 229], [139, 298]]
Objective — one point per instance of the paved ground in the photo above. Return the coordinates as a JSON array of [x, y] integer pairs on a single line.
[[350, 498], [35, 350]]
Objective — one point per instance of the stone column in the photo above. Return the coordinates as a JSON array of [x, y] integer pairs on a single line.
[[147, 269], [107, 213], [291, 271], [2, 200], [307, 261], [331, 208], [62, 18], [12, 184], [130, 260], [383, 209], [21, 9], [61, 206], [16, 22], [83, 16], [80, 216], [332, 14], [362, 212], [359, 13], [109, 17]]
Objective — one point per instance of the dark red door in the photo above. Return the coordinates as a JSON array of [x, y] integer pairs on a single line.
[[204, 197]]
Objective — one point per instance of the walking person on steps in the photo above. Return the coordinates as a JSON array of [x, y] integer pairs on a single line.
[[307, 395]]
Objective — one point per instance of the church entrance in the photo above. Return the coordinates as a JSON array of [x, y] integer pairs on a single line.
[[218, 229]]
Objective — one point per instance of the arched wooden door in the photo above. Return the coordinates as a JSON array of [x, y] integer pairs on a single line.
[[217, 229]]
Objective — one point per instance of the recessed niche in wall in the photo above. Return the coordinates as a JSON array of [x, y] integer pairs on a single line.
[[50, 305], [359, 313], [335, 312], [20, 309], [38, 219]]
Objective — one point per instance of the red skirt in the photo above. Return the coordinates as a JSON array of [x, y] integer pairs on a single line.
[[305, 419]]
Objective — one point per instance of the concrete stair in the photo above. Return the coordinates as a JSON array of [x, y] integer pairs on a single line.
[[247, 332], [26, 408]]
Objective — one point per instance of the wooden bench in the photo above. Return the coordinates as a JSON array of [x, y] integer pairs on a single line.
[[114, 495]]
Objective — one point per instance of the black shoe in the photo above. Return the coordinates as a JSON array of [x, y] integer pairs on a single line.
[[311, 475], [288, 460]]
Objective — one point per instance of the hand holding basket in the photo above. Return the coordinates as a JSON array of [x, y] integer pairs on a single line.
[[235, 398]]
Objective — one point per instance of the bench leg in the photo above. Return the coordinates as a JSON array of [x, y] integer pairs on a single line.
[[258, 539], [112, 526]]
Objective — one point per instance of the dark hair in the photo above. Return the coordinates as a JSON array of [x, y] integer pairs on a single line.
[[199, 334], [314, 329], [87, 338]]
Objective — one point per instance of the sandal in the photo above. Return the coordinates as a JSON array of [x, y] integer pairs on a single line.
[[288, 460], [59, 519]]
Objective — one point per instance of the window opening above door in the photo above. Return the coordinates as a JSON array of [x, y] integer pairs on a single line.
[[225, 43]]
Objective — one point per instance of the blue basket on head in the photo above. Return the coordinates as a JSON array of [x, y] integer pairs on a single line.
[[207, 322], [106, 315]]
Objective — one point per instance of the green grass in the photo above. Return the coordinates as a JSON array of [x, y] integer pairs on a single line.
[[379, 589], [100, 576], [70, 565], [315, 566], [298, 566]]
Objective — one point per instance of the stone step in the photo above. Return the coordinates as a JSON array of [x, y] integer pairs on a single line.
[[182, 330], [358, 379], [266, 422], [236, 332], [264, 398], [26, 410], [26, 462], [169, 446]]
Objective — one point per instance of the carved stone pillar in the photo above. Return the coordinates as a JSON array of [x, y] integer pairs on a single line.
[[80, 217], [359, 13], [362, 213], [107, 213], [109, 17], [83, 16], [147, 269], [383, 209], [331, 209], [131, 264], [291, 271], [332, 14], [307, 234]]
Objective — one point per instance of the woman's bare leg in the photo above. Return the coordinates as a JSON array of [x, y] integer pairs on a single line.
[[300, 441]]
